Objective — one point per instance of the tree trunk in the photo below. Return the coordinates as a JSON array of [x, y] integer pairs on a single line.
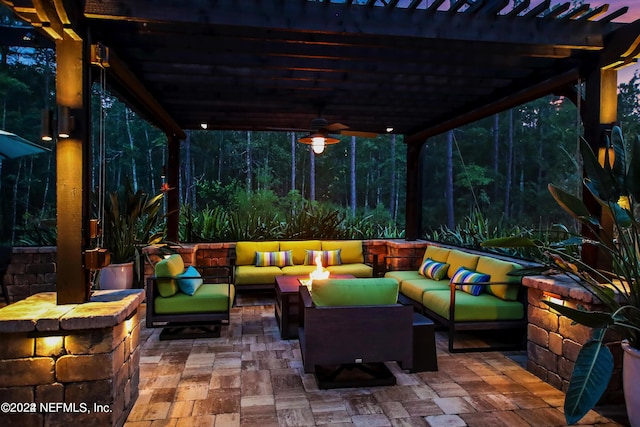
[[293, 161], [134, 175], [312, 175], [507, 192], [451, 220], [496, 153], [15, 203], [249, 163], [188, 170], [353, 176], [392, 178]]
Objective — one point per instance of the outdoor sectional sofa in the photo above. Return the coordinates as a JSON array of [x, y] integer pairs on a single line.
[[257, 264], [500, 305]]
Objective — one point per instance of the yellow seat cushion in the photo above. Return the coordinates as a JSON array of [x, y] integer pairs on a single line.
[[246, 251], [299, 248], [351, 250], [498, 270], [415, 288], [298, 270], [252, 275], [356, 269], [401, 276]]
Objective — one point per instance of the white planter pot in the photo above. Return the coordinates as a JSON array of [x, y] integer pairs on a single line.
[[117, 276], [631, 379]]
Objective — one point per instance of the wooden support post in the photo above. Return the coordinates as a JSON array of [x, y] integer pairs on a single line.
[[73, 165], [413, 214], [601, 107], [173, 195]]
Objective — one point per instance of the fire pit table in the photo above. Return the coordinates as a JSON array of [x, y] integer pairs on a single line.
[[286, 307]]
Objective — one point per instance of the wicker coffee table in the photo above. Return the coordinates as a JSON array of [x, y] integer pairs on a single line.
[[286, 307]]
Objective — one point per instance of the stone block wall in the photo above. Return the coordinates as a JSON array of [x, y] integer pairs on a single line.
[[554, 341], [51, 376], [32, 270]]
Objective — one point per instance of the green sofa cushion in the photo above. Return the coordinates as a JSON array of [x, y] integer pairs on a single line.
[[246, 251], [351, 252], [166, 270], [299, 248], [401, 276], [483, 307], [414, 288], [351, 292], [208, 298], [356, 269], [498, 270], [436, 253], [252, 275]]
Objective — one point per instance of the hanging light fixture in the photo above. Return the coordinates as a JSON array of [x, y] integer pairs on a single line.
[[318, 140], [47, 125]]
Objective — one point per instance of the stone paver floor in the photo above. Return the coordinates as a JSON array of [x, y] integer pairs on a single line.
[[250, 377]]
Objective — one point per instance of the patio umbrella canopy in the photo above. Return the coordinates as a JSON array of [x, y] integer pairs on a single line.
[[13, 146]]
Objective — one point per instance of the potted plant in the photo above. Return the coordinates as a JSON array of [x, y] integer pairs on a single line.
[[130, 222], [614, 182]]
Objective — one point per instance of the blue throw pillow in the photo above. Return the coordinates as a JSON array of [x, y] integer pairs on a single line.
[[190, 280], [467, 276]]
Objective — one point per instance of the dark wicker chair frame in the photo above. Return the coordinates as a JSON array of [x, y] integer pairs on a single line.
[[190, 325]]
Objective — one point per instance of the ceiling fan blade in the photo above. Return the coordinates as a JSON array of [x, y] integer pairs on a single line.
[[358, 133], [336, 127]]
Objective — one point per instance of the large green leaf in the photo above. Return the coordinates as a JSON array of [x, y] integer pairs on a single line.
[[603, 182], [592, 319], [508, 242], [589, 380], [620, 158], [571, 204]]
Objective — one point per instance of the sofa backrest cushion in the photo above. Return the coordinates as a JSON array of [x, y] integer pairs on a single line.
[[436, 253], [190, 280], [351, 250], [498, 270], [299, 248], [459, 259], [166, 270], [354, 292], [246, 251]]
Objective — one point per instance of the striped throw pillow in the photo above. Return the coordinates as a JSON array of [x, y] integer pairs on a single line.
[[276, 259], [433, 269], [326, 257], [467, 276]]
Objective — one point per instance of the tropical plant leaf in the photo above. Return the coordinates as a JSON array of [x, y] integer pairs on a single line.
[[530, 271], [603, 183], [509, 242], [592, 319], [620, 157], [571, 204], [589, 380]]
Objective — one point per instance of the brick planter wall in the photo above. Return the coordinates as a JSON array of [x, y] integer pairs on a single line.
[[70, 365], [554, 342], [32, 270]]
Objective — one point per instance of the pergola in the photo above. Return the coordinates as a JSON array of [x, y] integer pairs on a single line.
[[421, 67]]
